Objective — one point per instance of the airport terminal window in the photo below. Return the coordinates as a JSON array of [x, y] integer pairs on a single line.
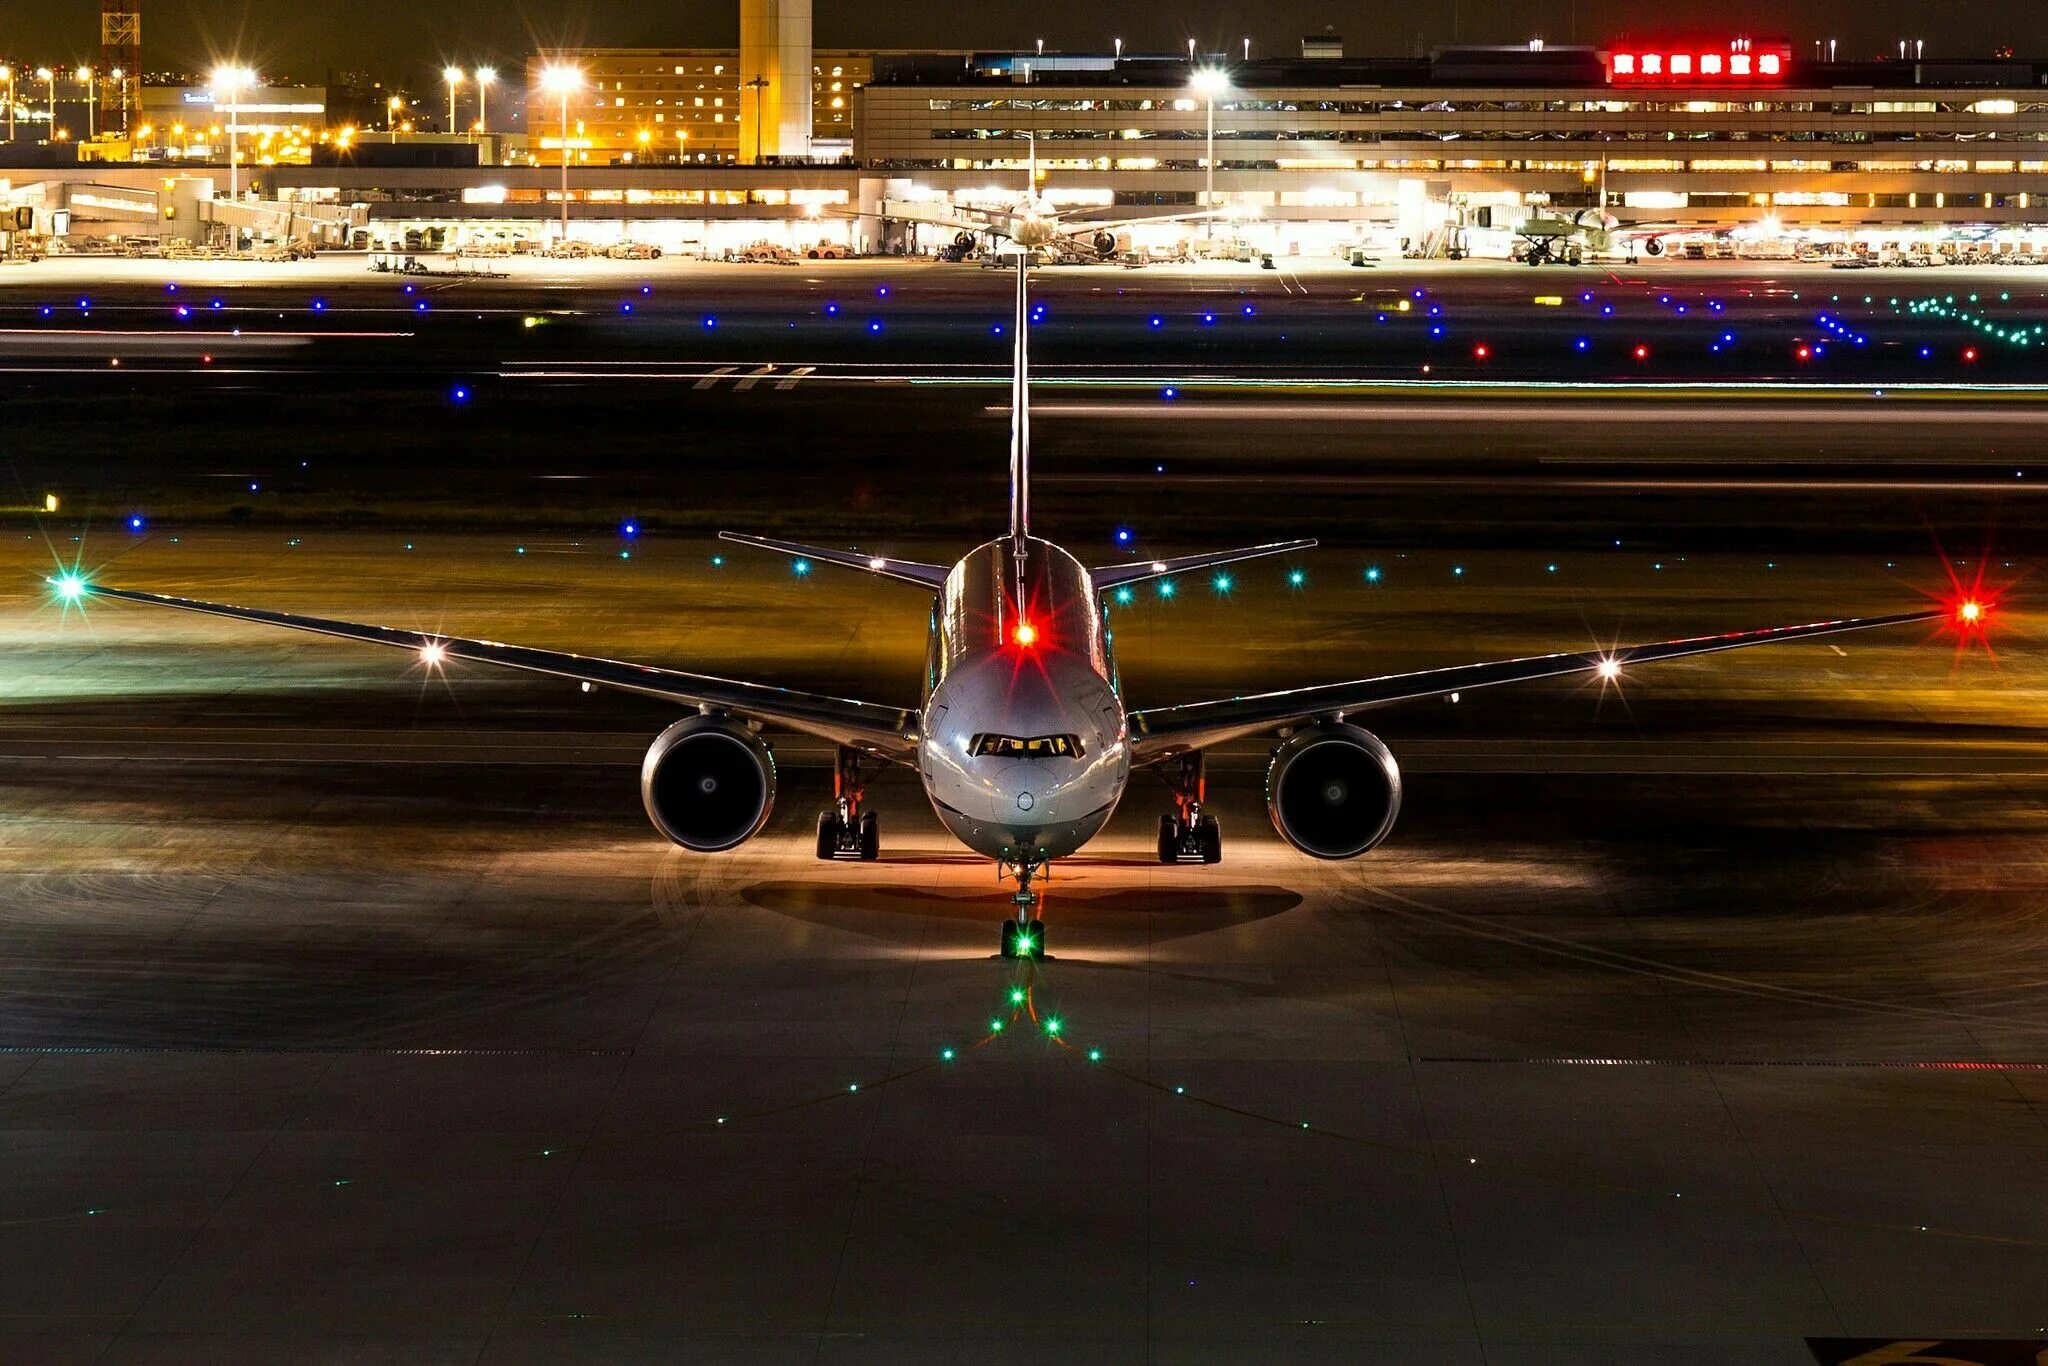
[[1025, 747]]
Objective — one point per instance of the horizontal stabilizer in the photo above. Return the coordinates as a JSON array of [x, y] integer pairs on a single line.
[[1110, 575], [909, 571]]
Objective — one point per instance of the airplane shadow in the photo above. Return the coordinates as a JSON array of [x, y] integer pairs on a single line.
[[898, 914]]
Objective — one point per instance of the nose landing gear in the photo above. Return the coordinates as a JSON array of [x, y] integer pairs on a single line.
[[1023, 935], [844, 830], [1189, 834]]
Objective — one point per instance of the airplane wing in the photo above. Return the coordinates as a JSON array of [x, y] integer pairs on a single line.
[[1162, 732], [889, 732]]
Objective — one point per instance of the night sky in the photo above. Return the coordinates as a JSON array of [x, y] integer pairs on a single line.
[[416, 37]]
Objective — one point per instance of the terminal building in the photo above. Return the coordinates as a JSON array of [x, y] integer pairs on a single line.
[[1733, 142]]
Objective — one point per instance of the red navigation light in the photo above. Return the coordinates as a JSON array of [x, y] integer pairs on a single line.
[[1026, 634], [1970, 613]]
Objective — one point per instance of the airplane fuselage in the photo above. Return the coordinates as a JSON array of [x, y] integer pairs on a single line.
[[1024, 749]]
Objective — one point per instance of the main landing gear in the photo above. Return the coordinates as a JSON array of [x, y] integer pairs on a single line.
[[844, 830], [1189, 835], [1023, 935]]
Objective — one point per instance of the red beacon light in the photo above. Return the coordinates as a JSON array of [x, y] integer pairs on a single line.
[[1025, 635], [1970, 614]]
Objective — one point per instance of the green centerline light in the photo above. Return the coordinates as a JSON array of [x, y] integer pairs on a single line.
[[1016, 996], [995, 1026], [1052, 1024]]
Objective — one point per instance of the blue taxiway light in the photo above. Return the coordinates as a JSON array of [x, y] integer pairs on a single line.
[[319, 305], [874, 324], [135, 522], [710, 321], [629, 529], [460, 394], [1247, 310], [882, 291], [1581, 344], [1170, 392], [831, 310], [1158, 321], [1123, 535]]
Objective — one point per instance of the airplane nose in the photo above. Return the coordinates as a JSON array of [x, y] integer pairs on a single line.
[[1019, 780]]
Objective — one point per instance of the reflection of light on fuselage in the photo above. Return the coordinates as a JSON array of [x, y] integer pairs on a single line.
[[1022, 654]]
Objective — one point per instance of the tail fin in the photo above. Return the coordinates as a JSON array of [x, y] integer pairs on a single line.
[[1020, 405]]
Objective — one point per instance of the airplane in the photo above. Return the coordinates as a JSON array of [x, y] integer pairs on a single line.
[[1035, 224], [1023, 740]]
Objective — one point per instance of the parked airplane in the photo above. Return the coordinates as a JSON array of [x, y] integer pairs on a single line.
[[1023, 741]]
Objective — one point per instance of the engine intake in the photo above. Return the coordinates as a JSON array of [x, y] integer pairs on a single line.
[[1333, 791], [708, 783]]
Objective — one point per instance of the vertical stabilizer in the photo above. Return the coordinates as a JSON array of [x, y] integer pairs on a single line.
[[1020, 405]]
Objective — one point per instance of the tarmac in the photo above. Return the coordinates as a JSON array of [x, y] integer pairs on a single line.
[[351, 1012]]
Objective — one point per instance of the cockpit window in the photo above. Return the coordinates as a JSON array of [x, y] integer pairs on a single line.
[[1026, 747]]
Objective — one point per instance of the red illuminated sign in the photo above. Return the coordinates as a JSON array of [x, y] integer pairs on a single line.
[[1742, 62]]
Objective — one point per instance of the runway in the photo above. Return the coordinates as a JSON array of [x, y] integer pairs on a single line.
[[354, 1012]]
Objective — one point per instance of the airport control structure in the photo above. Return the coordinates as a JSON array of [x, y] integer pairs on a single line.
[[1633, 148]]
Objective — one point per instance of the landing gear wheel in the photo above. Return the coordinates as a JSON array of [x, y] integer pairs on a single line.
[[1010, 928], [1035, 933], [828, 835], [870, 837], [1169, 839], [1209, 839]]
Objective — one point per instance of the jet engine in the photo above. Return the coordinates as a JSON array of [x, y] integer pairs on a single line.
[[708, 783], [1333, 791]]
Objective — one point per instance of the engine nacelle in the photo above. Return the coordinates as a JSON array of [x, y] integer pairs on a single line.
[[708, 783], [1333, 791]]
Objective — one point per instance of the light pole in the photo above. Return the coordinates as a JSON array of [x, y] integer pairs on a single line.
[[562, 80], [1210, 82], [49, 80], [757, 85], [232, 79], [391, 108], [7, 74], [486, 77], [452, 75], [121, 82], [84, 75]]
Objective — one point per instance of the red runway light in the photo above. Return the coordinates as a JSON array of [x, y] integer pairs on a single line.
[[1970, 353], [1642, 353], [1481, 351], [1805, 353]]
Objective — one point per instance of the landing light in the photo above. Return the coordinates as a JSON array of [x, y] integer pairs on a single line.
[[433, 654], [1610, 669]]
